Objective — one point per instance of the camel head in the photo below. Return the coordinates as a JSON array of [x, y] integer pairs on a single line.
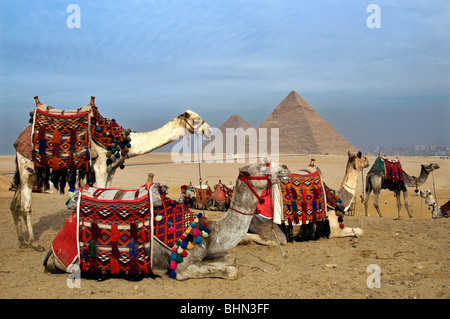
[[358, 160], [430, 167], [255, 173], [195, 124]]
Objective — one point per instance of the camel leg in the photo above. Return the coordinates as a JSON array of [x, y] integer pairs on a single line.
[[224, 267], [366, 202], [376, 195], [21, 204], [17, 216], [405, 200], [399, 204]]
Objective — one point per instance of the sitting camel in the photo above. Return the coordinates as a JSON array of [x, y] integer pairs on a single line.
[[432, 205], [375, 181], [209, 259], [25, 177], [264, 232]]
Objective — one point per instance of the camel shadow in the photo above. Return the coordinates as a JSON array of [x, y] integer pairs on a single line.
[[53, 223]]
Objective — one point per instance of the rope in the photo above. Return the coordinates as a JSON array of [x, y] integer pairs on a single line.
[[199, 136], [434, 189], [283, 256]]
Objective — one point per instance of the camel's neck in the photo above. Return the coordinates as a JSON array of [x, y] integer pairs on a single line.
[[347, 190], [143, 143], [411, 181], [228, 231]]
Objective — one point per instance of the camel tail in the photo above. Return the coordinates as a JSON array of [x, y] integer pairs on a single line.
[[16, 178], [368, 184]]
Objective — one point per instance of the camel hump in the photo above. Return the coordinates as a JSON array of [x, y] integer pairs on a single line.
[[23, 142]]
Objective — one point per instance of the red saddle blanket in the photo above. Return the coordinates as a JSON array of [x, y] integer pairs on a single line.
[[112, 230], [393, 176], [202, 195], [61, 141]]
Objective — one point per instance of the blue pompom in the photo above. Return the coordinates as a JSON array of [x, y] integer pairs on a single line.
[[173, 274]]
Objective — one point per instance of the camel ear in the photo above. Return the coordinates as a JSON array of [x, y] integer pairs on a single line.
[[185, 115], [359, 154], [349, 154]]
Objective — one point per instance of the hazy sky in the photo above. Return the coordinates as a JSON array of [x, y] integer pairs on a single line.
[[148, 61]]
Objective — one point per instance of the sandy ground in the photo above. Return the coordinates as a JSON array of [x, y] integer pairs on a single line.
[[412, 255]]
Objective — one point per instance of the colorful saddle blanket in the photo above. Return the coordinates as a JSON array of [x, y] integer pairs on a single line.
[[202, 195], [393, 176], [222, 194], [61, 143], [303, 198], [112, 231]]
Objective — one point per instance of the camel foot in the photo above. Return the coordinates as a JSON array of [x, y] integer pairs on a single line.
[[37, 247], [249, 238]]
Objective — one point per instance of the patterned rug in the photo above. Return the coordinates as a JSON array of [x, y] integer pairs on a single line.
[[393, 176], [112, 232], [115, 233], [202, 195], [60, 148], [304, 203], [61, 143], [303, 198]]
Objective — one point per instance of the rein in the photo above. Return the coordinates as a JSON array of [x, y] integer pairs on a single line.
[[246, 179]]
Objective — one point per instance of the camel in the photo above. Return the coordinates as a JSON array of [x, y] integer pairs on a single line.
[[209, 259], [432, 205], [261, 232], [375, 181], [142, 143]]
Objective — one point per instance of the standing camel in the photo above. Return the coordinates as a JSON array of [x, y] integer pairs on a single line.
[[375, 181], [209, 259], [261, 232], [142, 143]]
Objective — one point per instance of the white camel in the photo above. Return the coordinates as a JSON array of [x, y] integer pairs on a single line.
[[209, 259], [432, 205], [263, 232], [142, 143]]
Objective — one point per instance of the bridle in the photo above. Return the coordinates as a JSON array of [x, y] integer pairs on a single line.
[[246, 179], [190, 126]]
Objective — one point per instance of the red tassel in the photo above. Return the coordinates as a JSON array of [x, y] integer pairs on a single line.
[[94, 266], [134, 267], [95, 230], [115, 269], [134, 231], [144, 237], [296, 219], [316, 192], [56, 144], [294, 194], [83, 234], [83, 265], [114, 233]]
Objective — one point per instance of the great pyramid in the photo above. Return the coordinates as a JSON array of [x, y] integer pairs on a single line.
[[303, 131], [233, 122]]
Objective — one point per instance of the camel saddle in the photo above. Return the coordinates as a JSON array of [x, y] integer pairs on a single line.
[[112, 231]]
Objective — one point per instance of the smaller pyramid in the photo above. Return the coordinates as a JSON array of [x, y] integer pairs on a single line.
[[303, 131], [233, 122]]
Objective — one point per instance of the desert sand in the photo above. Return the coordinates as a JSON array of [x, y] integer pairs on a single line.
[[413, 255]]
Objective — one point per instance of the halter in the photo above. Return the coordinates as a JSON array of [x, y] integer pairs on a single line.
[[246, 179]]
